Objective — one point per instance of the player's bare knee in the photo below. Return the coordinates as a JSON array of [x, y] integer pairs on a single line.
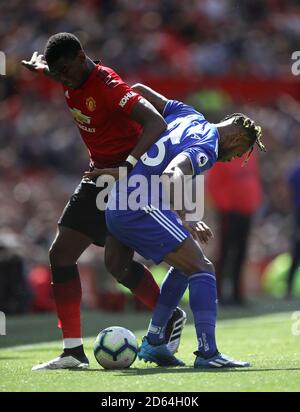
[[109, 260], [52, 255], [55, 256], [208, 266], [58, 256], [115, 265], [203, 265]]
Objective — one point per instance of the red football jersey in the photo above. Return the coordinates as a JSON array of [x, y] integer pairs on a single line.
[[101, 108], [235, 188]]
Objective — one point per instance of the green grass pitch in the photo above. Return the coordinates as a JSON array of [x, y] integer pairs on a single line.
[[267, 341]]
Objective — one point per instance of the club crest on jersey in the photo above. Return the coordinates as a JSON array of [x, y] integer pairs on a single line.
[[202, 159], [91, 104]]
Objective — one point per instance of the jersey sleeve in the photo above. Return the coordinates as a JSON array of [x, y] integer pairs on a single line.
[[123, 98], [117, 94], [199, 158], [174, 107]]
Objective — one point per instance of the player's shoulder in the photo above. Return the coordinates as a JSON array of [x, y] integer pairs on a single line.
[[107, 77], [178, 107]]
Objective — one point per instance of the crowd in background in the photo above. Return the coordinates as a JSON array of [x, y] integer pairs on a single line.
[[209, 36], [41, 155]]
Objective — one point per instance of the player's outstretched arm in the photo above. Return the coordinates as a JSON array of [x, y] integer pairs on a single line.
[[179, 168], [157, 100], [153, 124], [38, 64]]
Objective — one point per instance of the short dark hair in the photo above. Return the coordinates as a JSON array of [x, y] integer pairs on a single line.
[[61, 45]]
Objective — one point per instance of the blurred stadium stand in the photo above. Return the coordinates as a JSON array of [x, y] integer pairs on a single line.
[[222, 56]]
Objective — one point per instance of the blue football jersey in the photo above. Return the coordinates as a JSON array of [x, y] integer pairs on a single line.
[[137, 213], [187, 132]]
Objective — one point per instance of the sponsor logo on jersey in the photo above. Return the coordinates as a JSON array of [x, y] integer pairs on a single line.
[[80, 117], [202, 159], [86, 129], [91, 104], [125, 99]]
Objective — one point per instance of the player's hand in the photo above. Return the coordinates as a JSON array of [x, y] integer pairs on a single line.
[[36, 64], [114, 172], [199, 230]]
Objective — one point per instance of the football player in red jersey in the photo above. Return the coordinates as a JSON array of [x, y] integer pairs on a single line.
[[118, 126]]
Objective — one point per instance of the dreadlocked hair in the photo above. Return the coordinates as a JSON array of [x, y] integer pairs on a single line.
[[253, 132]]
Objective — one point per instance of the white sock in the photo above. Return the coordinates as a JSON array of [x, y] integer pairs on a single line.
[[70, 343]]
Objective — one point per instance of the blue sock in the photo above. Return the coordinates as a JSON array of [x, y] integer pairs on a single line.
[[171, 291], [203, 302]]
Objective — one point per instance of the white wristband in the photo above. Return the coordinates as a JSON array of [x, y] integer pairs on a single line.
[[132, 160]]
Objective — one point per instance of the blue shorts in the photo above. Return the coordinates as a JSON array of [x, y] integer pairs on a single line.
[[151, 232]]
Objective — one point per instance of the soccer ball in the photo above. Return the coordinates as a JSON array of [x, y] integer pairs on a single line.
[[115, 348]]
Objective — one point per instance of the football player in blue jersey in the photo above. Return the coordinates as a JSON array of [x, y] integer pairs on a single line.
[[188, 147]]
